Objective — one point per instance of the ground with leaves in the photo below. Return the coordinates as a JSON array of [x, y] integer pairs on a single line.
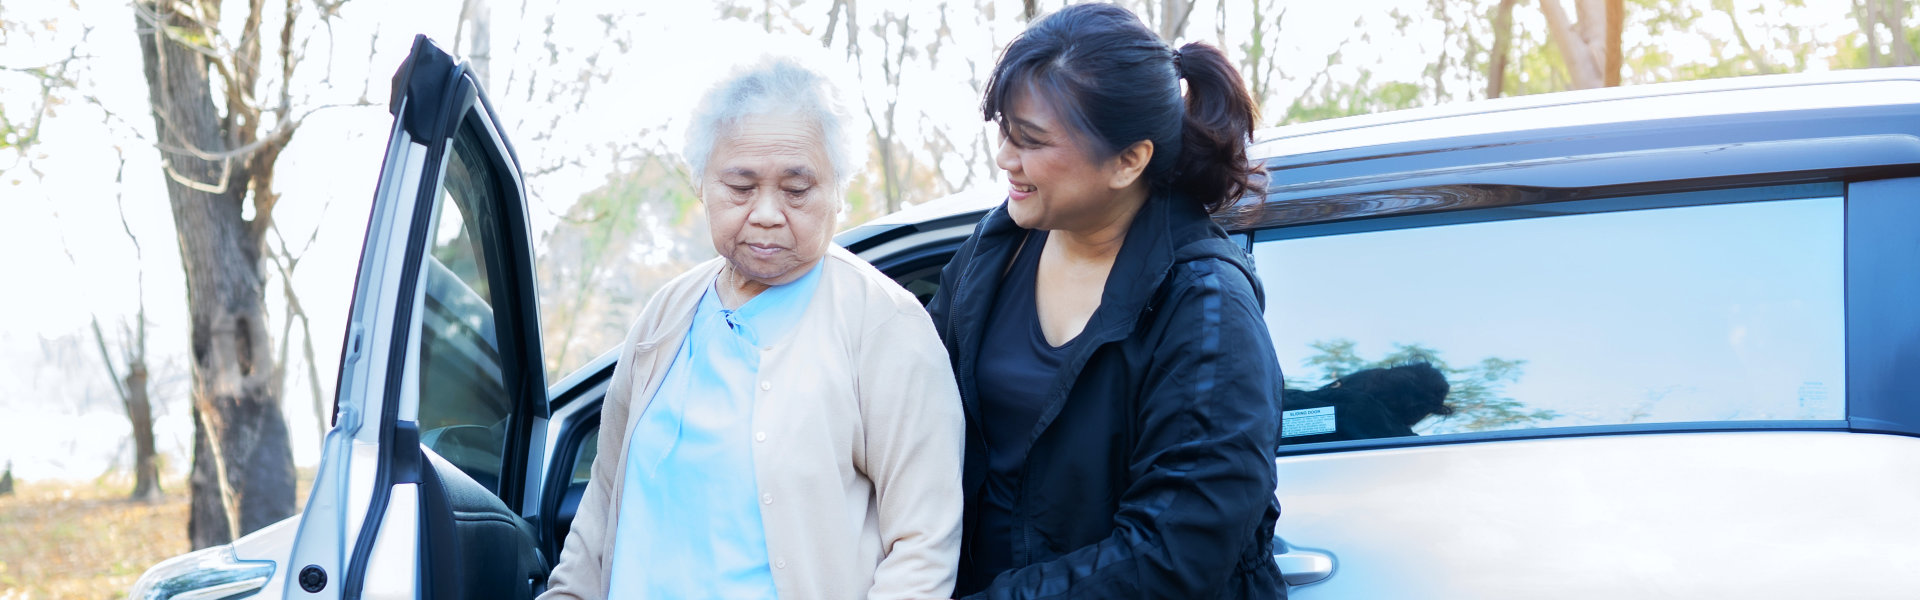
[[85, 540], [63, 539]]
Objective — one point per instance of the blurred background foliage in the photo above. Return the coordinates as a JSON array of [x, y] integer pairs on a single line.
[[592, 94]]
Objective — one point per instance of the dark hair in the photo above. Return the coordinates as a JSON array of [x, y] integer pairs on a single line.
[[1116, 83]]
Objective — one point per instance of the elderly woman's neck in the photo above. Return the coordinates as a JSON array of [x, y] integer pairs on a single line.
[[736, 289]]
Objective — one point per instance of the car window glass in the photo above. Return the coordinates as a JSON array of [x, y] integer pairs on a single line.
[[1728, 312], [464, 404], [583, 460], [922, 282]]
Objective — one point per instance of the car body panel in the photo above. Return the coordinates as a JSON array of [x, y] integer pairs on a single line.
[[271, 543], [338, 506], [1695, 515]]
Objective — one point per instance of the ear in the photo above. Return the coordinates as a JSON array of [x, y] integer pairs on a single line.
[[1127, 168]]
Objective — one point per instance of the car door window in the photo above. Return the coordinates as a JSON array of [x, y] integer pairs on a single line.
[[1715, 313], [464, 404]]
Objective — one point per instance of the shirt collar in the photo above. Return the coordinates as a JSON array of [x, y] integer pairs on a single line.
[[769, 316]]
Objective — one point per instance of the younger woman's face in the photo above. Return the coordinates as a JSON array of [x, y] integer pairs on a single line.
[[1054, 182]]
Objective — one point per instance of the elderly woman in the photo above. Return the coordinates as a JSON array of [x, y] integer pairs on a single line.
[[782, 421]]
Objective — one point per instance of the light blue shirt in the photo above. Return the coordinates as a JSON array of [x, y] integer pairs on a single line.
[[689, 521]]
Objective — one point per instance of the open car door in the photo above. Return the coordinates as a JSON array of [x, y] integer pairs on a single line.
[[430, 473]]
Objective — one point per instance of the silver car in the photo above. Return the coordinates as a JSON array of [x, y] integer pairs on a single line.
[[1644, 342]]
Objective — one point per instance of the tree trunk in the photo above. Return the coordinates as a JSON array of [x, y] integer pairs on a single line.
[[243, 463], [1502, 49], [1867, 12], [146, 470], [1754, 55], [1029, 10], [1616, 24], [1894, 14], [1174, 15], [132, 391], [1580, 45], [476, 19]]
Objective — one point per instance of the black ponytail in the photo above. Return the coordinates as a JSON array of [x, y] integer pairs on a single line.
[[1115, 82], [1213, 166]]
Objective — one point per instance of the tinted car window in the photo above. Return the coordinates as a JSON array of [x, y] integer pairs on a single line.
[[583, 461], [1729, 312], [464, 405], [923, 282]]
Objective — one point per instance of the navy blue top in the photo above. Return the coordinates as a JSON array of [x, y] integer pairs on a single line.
[[1015, 374]]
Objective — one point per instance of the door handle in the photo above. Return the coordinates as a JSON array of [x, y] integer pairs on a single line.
[[1300, 566]]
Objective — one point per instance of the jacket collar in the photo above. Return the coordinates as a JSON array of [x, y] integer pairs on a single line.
[[1158, 237]]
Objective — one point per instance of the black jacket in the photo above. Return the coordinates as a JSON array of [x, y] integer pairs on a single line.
[[1151, 470]]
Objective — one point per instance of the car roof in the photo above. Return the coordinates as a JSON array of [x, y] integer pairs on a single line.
[[1761, 93], [1689, 136], [1761, 128]]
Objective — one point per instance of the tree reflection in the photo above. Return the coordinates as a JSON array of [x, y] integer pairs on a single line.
[[1398, 394]]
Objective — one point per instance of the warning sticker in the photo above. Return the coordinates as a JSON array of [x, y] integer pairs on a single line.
[[1306, 421]]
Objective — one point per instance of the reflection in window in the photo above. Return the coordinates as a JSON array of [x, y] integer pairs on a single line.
[[583, 460], [1728, 312], [464, 403]]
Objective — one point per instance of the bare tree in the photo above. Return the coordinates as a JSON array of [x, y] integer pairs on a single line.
[[1174, 15], [1873, 15], [1589, 47], [1167, 17], [476, 28], [285, 261], [1502, 47], [1260, 61], [896, 165], [219, 130], [1752, 54], [132, 388]]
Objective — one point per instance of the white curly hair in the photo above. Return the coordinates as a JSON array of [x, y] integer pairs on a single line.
[[790, 83]]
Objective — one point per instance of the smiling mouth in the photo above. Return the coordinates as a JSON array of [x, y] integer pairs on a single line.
[[1024, 189]]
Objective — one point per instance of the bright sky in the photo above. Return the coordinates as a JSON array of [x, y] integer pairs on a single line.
[[58, 417]]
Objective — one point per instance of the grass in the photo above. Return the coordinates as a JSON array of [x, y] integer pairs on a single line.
[[64, 539]]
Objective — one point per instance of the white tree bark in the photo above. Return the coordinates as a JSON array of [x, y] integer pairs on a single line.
[[1582, 50]]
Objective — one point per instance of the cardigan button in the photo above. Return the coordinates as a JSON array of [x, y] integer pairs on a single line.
[[760, 437], [766, 498], [766, 385], [780, 564]]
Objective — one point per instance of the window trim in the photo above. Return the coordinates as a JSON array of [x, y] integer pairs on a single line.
[[574, 425], [516, 311], [1882, 280], [1407, 218], [1836, 425], [1620, 201]]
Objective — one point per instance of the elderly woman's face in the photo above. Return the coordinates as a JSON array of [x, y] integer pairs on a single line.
[[770, 198]]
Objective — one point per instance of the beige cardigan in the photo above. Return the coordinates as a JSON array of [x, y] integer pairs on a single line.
[[857, 442]]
